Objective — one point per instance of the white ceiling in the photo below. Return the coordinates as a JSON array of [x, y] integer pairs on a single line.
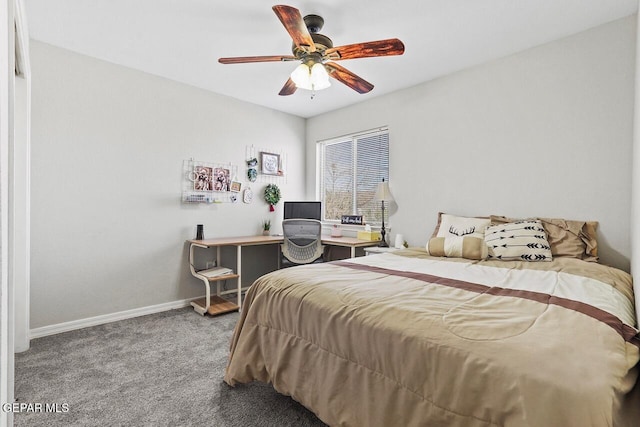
[[182, 39]]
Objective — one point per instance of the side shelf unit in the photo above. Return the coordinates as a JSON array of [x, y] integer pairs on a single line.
[[213, 304]]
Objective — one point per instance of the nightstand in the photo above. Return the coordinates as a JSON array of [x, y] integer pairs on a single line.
[[378, 250]]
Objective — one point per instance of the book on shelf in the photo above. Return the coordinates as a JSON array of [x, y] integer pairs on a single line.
[[215, 271]]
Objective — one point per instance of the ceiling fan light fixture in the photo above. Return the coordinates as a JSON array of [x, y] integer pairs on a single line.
[[319, 77], [301, 76], [311, 78]]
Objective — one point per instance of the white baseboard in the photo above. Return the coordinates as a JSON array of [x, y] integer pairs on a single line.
[[107, 318]]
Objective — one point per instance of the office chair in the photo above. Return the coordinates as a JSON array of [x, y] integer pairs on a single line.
[[302, 241]]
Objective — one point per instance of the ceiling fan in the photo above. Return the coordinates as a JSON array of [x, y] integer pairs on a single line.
[[316, 54]]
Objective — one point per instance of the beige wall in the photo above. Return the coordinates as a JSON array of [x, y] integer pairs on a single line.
[[545, 132], [108, 227]]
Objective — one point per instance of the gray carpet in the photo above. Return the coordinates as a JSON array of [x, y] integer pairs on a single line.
[[164, 369]]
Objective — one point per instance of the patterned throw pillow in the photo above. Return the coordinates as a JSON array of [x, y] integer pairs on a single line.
[[521, 240], [567, 237]]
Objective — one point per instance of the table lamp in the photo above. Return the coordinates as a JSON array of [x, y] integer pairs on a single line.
[[383, 193]]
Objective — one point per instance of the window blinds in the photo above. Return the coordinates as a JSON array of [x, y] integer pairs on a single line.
[[351, 167]]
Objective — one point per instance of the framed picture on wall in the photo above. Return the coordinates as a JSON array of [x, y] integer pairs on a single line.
[[235, 186], [202, 178], [270, 163], [221, 179]]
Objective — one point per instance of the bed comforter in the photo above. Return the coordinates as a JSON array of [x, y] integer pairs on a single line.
[[405, 339]]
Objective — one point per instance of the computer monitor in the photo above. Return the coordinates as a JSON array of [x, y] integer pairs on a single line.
[[306, 210]]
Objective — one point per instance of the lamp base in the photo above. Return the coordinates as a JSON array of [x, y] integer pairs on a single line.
[[383, 238], [383, 233]]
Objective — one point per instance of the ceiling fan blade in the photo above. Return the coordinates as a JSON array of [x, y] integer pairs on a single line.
[[289, 88], [386, 47], [345, 76], [246, 59], [293, 22]]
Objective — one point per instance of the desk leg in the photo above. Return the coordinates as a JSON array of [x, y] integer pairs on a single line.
[[353, 251], [278, 255], [218, 261], [239, 273]]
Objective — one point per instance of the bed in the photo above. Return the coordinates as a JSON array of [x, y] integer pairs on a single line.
[[412, 339]]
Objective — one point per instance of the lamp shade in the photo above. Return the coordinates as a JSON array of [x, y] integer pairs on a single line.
[[383, 192]]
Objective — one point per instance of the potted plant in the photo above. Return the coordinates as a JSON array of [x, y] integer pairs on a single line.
[[266, 227]]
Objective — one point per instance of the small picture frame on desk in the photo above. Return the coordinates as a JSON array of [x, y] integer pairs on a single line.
[[352, 219]]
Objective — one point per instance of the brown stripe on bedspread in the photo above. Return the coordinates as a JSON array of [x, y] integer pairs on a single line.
[[627, 332]]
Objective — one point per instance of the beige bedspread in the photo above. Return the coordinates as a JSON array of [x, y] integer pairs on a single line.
[[408, 340]]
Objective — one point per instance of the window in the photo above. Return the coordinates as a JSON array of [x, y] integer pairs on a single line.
[[350, 169]]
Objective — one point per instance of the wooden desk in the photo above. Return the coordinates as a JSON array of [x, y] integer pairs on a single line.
[[349, 242], [216, 304]]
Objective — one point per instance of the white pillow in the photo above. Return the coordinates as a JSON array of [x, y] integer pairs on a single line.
[[522, 240], [460, 226]]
